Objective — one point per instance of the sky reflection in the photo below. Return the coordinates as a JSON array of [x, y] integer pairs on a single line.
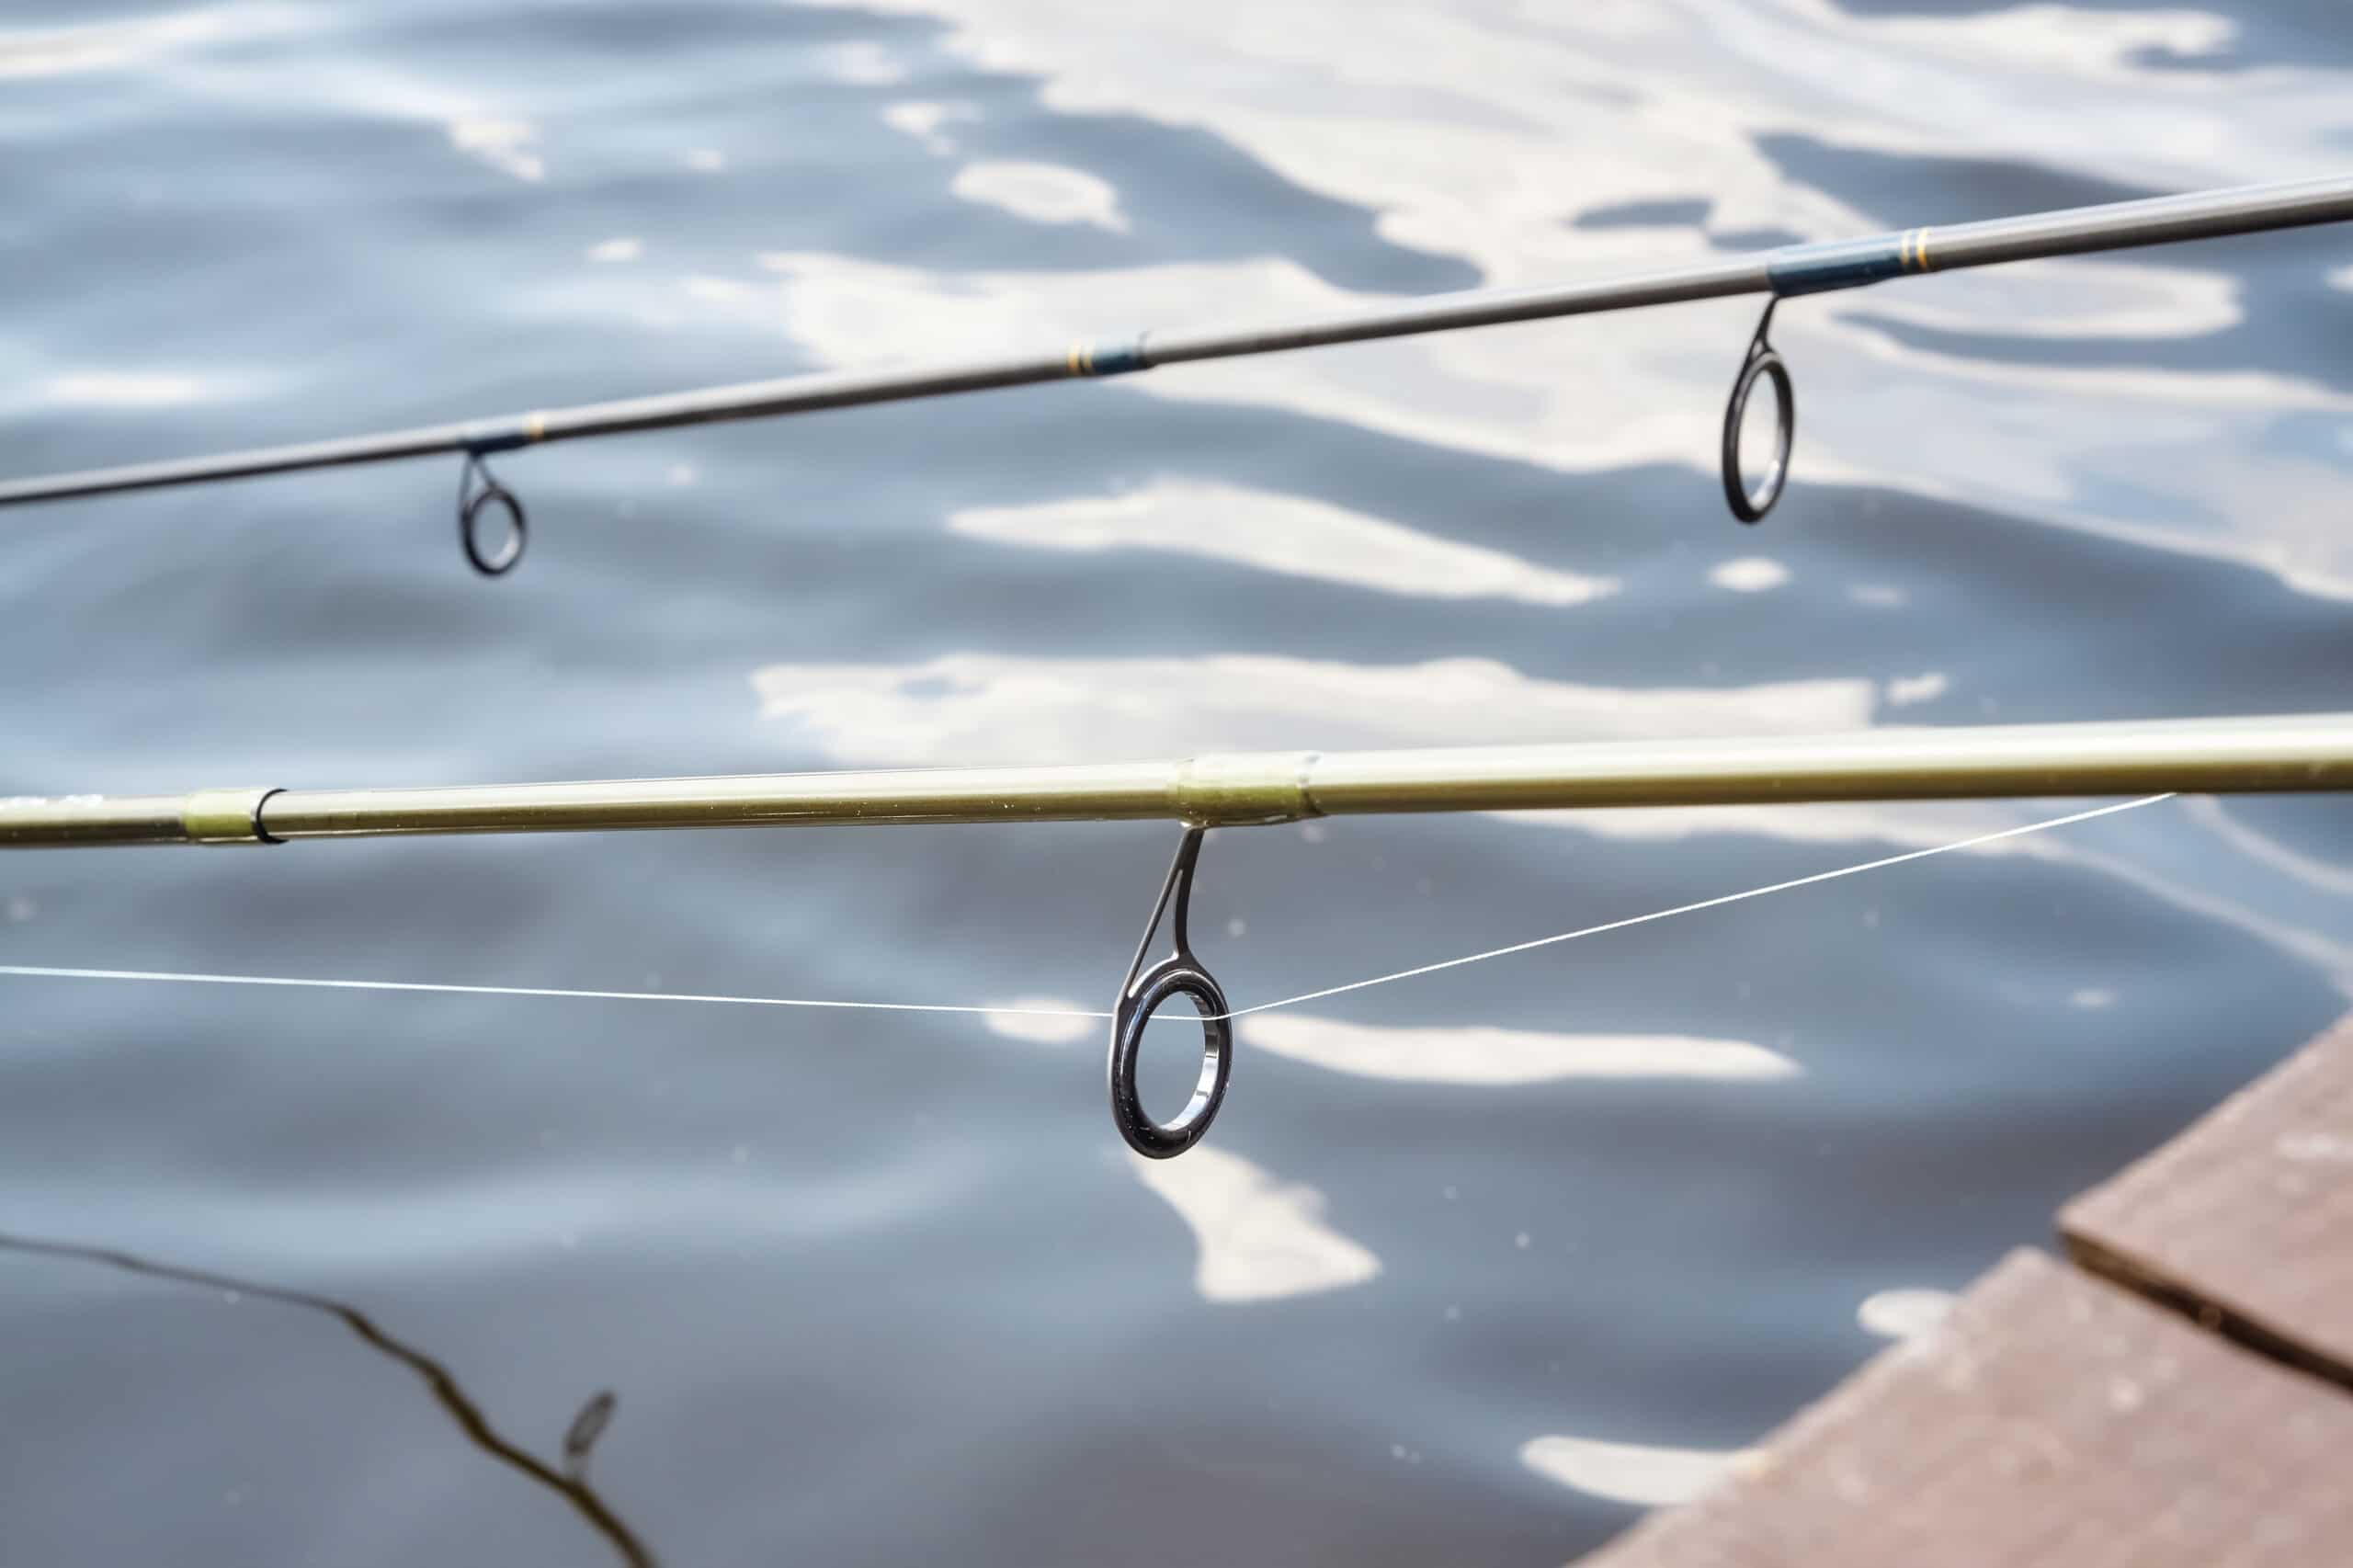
[[1259, 1239], [1498, 1057], [1291, 535], [1643, 1474], [974, 707]]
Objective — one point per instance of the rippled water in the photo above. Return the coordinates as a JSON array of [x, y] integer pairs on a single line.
[[1472, 1268]]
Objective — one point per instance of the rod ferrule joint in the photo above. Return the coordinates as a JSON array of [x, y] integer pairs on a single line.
[[226, 816], [1243, 789]]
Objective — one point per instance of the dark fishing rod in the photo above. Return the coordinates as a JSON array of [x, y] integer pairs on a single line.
[[1782, 273]]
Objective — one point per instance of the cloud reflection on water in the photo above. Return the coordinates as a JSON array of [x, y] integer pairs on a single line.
[[117, 45], [1259, 1239], [1292, 535], [1035, 1020], [1640, 1473], [127, 389], [922, 119], [1498, 1057], [972, 706], [1905, 1311], [1042, 193]]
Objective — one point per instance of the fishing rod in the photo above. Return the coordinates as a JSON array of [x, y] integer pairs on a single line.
[[1782, 273], [2234, 756], [2295, 753]]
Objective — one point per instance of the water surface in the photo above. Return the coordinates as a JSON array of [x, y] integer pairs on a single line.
[[1472, 1268]]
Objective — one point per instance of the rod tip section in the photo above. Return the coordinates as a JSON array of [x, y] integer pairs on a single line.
[[226, 816]]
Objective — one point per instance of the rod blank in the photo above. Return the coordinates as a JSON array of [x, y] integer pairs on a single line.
[[2312, 752], [1795, 269]]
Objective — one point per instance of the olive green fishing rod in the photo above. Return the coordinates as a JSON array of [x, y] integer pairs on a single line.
[[2311, 752], [1781, 273], [2308, 752]]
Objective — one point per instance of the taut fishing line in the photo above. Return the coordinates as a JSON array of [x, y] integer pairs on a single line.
[[42, 971]]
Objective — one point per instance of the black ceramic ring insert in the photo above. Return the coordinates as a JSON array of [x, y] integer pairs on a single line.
[[498, 563], [1750, 502], [1169, 978]]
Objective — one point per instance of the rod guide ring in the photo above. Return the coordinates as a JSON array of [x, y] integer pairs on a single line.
[[1749, 503], [477, 488], [1175, 976], [1142, 994]]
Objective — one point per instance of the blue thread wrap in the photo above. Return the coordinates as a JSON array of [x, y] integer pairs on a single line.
[[1817, 269], [482, 442], [1118, 359]]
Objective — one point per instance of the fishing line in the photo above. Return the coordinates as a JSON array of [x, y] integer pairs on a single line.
[[41, 972], [1705, 904]]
